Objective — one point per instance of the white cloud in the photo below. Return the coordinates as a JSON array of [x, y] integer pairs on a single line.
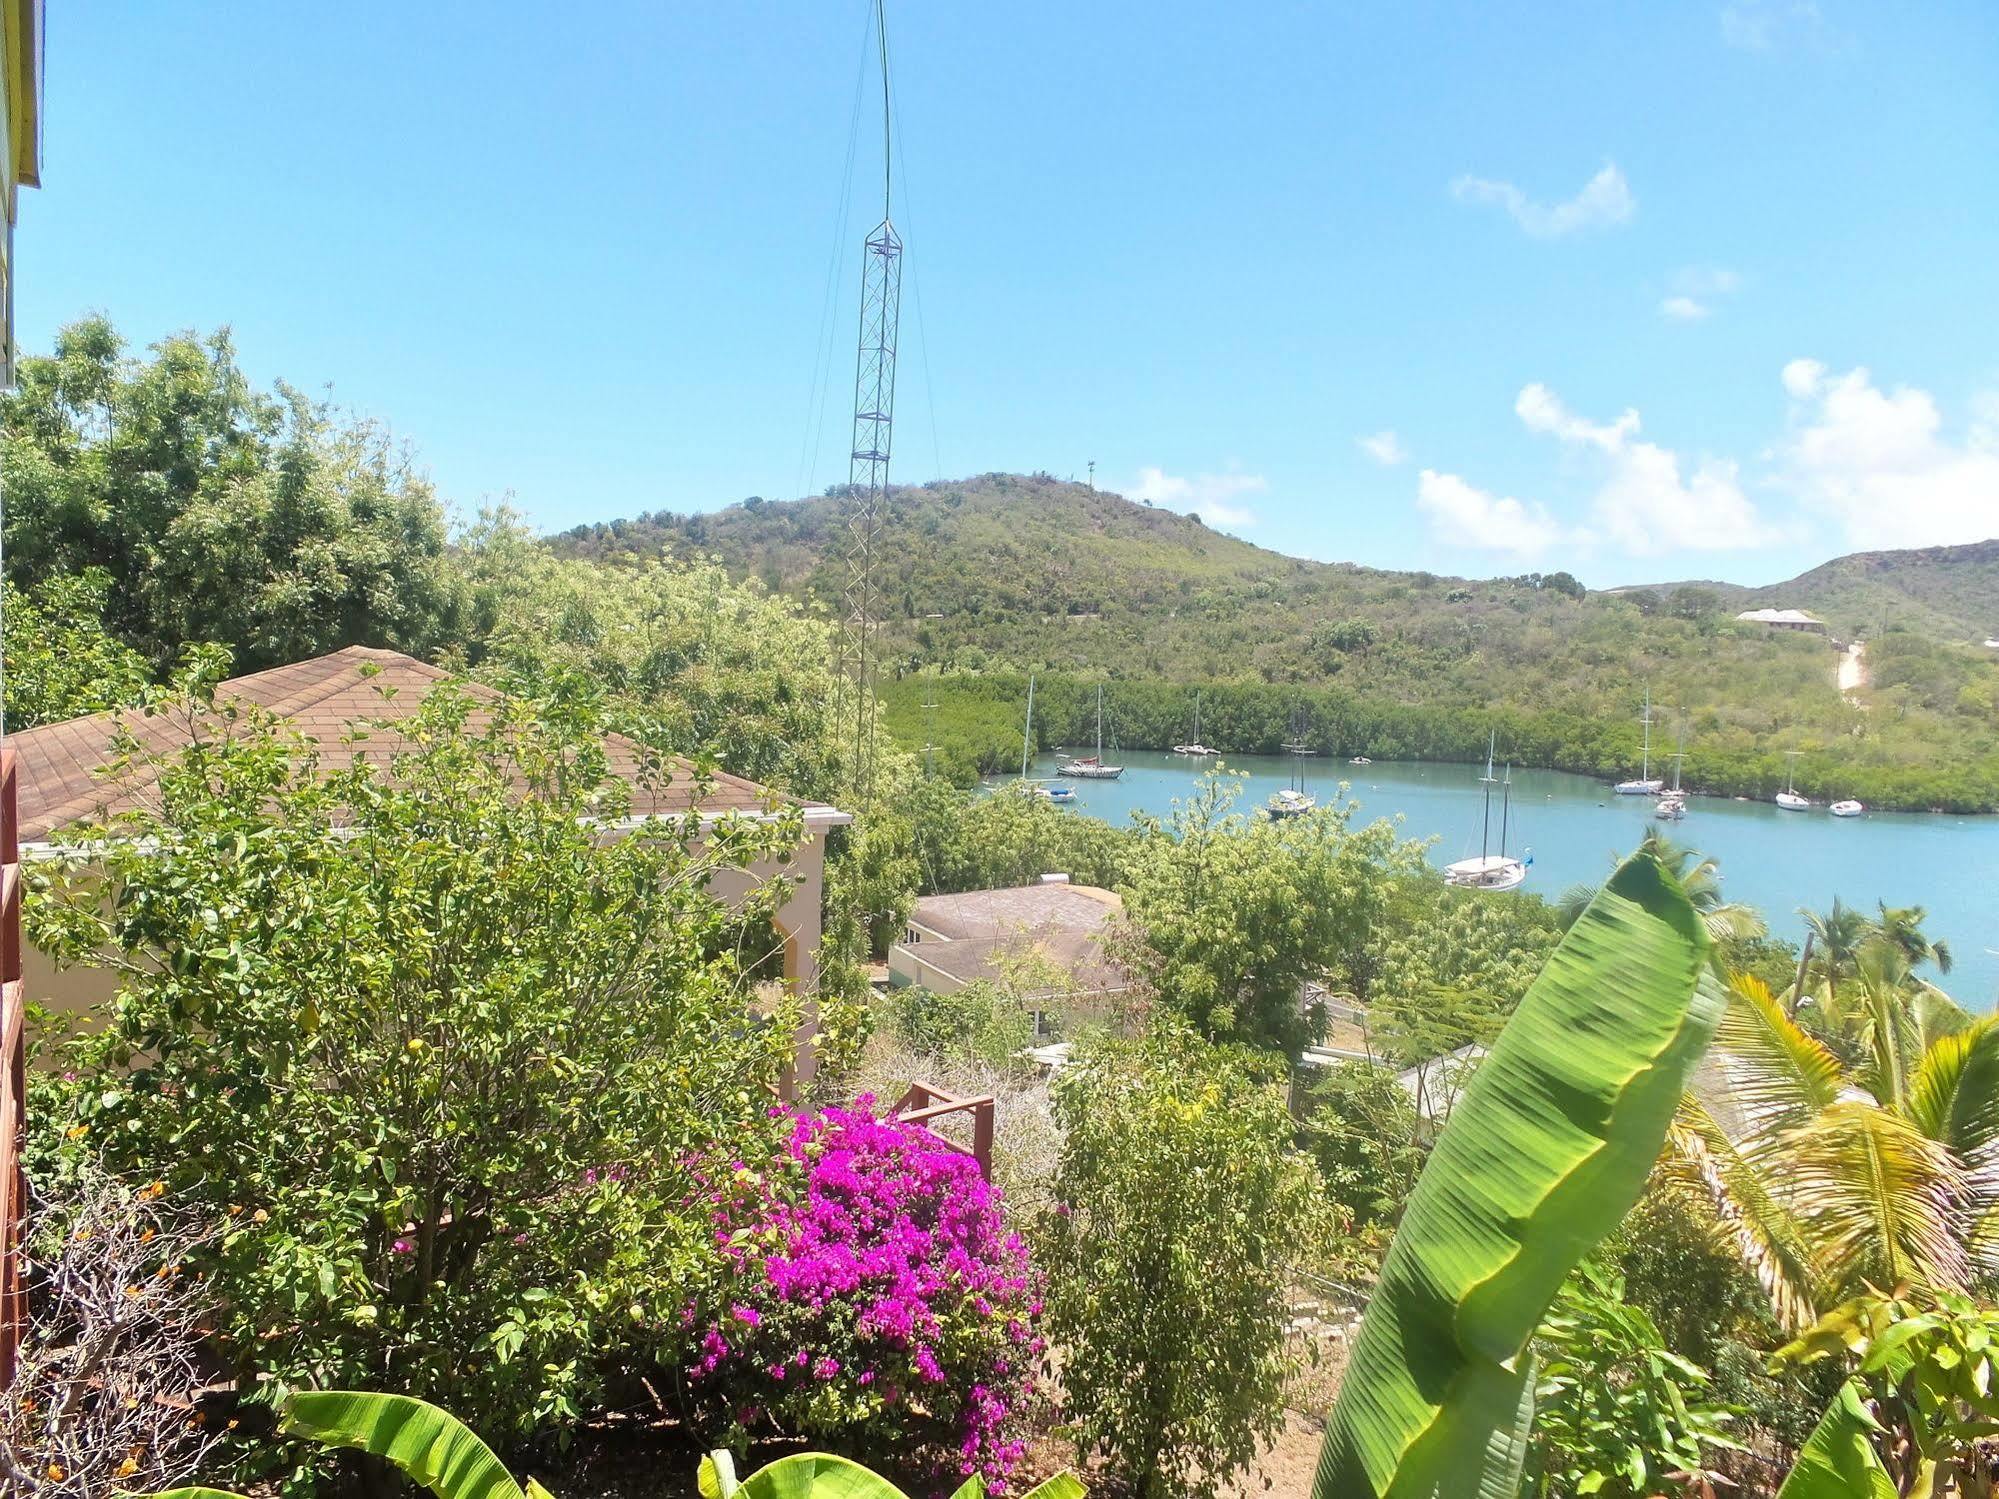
[[1605, 200], [1695, 289], [1879, 465], [1642, 503], [1213, 497], [1385, 448], [1461, 514], [1759, 25]]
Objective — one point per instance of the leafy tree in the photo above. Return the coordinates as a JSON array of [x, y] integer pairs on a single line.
[[61, 662], [269, 524], [1361, 1129], [1616, 1411], [1697, 874], [1236, 913], [1901, 927], [1181, 1209], [432, 1050]]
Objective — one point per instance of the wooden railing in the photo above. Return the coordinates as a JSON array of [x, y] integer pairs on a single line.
[[924, 1104], [13, 1071]]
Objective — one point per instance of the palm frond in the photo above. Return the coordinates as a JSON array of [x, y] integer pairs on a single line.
[[1878, 1199], [1776, 1077], [1732, 922], [1954, 1098], [1754, 1223]]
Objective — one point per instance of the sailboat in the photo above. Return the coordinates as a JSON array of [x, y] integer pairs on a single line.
[[1194, 749], [1057, 794], [1490, 871], [1673, 801], [1092, 767], [1788, 798], [1294, 800], [1645, 785]]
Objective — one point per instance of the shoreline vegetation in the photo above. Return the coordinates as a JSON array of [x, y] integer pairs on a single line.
[[976, 725]]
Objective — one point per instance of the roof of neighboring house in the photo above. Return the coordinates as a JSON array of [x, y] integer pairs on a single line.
[[64, 775], [1779, 617], [1058, 905], [979, 933]]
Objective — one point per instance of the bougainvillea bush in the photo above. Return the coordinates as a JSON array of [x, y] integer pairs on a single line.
[[872, 1299]]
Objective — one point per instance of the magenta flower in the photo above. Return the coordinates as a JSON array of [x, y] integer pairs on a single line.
[[404, 1246]]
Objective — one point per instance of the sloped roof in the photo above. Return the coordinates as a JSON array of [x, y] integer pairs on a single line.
[[1779, 617], [63, 775]]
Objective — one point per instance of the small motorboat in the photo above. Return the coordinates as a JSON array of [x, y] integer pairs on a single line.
[[1196, 751], [1290, 802], [1360, 760], [1060, 795], [1847, 808]]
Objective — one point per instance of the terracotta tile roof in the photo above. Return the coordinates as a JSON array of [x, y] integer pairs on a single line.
[[62, 765]]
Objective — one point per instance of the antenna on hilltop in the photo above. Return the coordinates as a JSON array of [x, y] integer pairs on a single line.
[[867, 468], [1093, 476]]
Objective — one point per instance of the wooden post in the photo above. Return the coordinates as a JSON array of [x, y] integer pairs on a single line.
[[13, 1072]]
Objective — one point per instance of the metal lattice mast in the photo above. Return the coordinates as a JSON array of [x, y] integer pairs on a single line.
[[867, 470]]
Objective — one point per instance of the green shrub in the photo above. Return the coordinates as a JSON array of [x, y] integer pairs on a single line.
[[981, 1021], [1180, 1208], [430, 1054]]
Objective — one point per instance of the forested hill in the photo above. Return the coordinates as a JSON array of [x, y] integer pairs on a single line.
[[1950, 593], [1003, 574]]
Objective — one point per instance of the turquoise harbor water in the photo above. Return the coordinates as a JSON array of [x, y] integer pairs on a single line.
[[1575, 827]]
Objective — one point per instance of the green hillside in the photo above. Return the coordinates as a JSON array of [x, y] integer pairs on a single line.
[[990, 577], [1948, 593]]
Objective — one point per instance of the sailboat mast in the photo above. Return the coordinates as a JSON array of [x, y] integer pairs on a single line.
[[1505, 806], [1485, 829], [1100, 723], [1027, 737], [1645, 762]]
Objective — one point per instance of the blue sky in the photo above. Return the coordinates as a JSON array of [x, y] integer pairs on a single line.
[[1644, 291]]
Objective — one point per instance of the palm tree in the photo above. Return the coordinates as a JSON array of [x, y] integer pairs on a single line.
[[1830, 1178], [1903, 927], [1838, 936], [1697, 874]]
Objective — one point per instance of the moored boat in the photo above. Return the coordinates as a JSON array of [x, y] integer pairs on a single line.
[[1789, 798], [1290, 802], [1847, 808], [1490, 871], [1360, 760], [1193, 749], [1646, 784], [1092, 767]]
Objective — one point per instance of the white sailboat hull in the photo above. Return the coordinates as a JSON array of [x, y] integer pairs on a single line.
[[1640, 788], [1790, 801], [1290, 803], [1078, 771], [1491, 872]]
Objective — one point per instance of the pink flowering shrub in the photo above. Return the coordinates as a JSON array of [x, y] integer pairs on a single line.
[[872, 1300]]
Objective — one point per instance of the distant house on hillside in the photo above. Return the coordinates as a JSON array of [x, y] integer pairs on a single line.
[[1785, 619], [67, 776], [1051, 933]]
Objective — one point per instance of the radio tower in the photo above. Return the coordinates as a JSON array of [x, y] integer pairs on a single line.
[[867, 470]]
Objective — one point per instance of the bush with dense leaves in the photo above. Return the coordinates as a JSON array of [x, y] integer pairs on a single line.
[[1182, 1211], [426, 1051], [873, 1298]]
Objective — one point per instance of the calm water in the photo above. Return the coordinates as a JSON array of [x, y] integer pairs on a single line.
[[1576, 828]]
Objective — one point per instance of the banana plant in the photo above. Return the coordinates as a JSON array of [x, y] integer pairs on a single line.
[[1546, 1151], [447, 1457]]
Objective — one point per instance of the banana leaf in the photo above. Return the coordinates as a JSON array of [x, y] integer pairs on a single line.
[[434, 1448], [1838, 1460], [1544, 1154]]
